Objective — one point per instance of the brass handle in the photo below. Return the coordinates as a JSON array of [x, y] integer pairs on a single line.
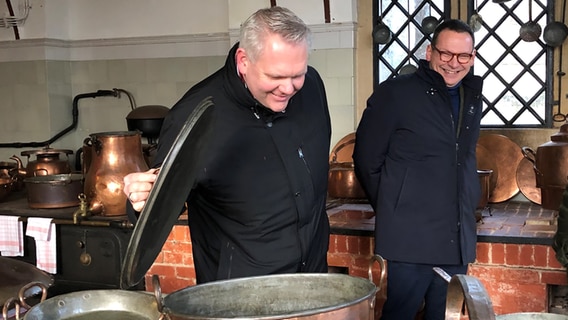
[[530, 154], [6, 308], [339, 147], [383, 272], [22, 293]]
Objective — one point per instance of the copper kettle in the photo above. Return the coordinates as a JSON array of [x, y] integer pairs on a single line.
[[550, 162], [342, 182], [47, 162], [107, 158]]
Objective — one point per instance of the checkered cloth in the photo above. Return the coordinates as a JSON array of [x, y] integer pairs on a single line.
[[11, 236], [43, 232]]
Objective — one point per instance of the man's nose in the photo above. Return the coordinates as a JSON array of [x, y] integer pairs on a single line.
[[287, 86], [454, 61]]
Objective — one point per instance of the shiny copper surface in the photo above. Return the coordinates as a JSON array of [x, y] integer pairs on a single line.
[[345, 153], [47, 162], [110, 156], [526, 180], [342, 182], [485, 161], [507, 155]]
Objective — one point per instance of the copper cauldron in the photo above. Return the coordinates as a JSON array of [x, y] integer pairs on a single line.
[[342, 182], [550, 162], [107, 158]]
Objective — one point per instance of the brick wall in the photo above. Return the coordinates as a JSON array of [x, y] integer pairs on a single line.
[[174, 264], [515, 275]]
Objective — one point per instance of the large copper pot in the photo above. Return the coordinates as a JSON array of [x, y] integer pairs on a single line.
[[550, 162], [54, 191], [330, 296], [107, 158], [342, 182]]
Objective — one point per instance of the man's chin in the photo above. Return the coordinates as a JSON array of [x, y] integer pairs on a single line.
[[278, 107]]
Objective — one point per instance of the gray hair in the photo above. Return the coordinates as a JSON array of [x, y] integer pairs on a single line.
[[275, 20]]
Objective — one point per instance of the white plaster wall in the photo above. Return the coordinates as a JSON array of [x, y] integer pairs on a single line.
[[135, 18], [57, 24], [108, 19]]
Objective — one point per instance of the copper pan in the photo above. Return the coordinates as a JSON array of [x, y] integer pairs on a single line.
[[507, 155]]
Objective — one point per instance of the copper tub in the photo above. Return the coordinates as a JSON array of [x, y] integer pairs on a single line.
[[286, 296]]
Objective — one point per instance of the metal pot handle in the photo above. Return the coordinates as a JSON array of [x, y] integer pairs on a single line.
[[6, 308], [469, 289], [38, 171], [339, 147], [530, 154], [22, 293], [159, 297], [383, 272]]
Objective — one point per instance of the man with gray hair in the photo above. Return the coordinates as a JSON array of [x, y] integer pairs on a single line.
[[258, 204]]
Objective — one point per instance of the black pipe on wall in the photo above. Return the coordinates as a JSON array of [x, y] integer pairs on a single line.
[[75, 111]]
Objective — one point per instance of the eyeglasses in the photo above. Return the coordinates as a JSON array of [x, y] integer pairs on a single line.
[[447, 56]]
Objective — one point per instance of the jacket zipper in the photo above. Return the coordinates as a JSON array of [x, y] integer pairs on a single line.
[[301, 155]]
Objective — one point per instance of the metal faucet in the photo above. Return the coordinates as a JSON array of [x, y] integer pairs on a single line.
[[82, 212]]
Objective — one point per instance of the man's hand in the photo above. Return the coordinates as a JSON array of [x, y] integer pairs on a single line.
[[137, 187]]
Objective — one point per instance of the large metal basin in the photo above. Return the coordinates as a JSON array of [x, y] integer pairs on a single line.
[[97, 304], [287, 296]]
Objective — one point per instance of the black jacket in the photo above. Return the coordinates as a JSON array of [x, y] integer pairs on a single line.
[[421, 179], [259, 207]]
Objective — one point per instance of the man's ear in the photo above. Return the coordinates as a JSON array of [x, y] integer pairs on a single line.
[[241, 58]]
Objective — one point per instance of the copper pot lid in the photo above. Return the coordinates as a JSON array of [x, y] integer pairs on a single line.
[[507, 155], [167, 198], [46, 152], [526, 180], [561, 135]]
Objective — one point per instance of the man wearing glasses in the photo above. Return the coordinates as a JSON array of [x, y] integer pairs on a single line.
[[415, 158]]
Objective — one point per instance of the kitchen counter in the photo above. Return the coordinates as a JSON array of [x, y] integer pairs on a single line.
[[16, 204], [506, 222]]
